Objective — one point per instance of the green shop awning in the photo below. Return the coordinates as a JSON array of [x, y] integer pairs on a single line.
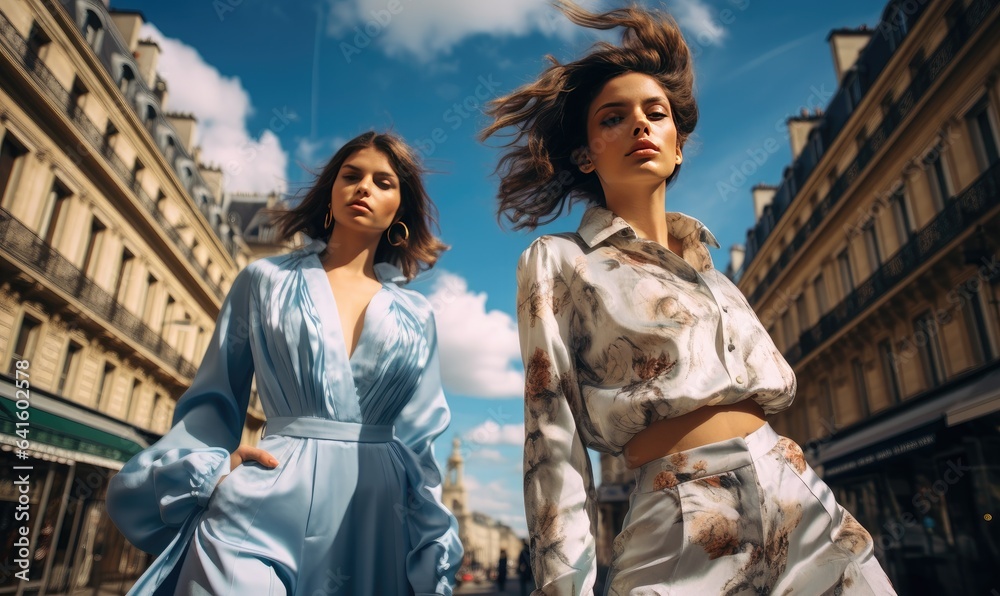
[[68, 428]]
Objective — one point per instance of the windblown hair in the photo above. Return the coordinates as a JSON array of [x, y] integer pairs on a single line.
[[417, 211], [538, 168]]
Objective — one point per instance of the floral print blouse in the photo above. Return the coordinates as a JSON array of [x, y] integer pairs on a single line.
[[617, 332]]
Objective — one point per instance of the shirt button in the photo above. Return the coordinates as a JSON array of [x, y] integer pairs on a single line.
[[731, 347], [725, 309], [739, 380]]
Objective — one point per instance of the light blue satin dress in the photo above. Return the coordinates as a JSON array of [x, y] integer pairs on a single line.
[[354, 505]]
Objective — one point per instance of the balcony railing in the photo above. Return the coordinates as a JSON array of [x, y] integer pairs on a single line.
[[32, 252], [964, 28], [86, 127], [960, 214]]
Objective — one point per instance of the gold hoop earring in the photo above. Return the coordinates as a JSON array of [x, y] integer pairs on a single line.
[[402, 241], [329, 217]]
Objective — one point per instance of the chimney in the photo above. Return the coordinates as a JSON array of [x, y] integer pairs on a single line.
[[147, 55], [128, 22], [186, 127], [763, 194], [799, 128], [736, 255], [846, 45]]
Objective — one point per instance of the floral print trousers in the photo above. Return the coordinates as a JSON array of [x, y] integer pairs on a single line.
[[741, 516]]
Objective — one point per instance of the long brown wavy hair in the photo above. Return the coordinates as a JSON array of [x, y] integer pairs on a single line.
[[417, 211], [538, 169]]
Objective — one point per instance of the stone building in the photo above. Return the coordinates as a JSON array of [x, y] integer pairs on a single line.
[[116, 253], [482, 536], [874, 266]]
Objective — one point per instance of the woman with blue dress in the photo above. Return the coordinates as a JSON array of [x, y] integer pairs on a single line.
[[343, 494]]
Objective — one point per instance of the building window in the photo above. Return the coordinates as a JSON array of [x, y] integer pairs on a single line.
[[163, 411], [124, 275], [819, 287], [26, 342], [927, 337], [802, 312], [860, 386], [872, 247], [170, 150], [901, 217], [149, 303], [168, 314], [76, 95], [983, 133], [70, 366], [98, 233], [889, 371], [93, 30], [829, 421], [105, 386], [38, 43], [788, 329], [131, 401], [938, 177], [853, 89], [137, 169], [58, 204], [126, 81], [846, 273], [975, 322], [11, 163]]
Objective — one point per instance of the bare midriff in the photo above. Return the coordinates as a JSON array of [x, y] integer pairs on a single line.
[[707, 424]]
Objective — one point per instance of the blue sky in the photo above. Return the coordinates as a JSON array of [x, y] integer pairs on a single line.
[[278, 86]]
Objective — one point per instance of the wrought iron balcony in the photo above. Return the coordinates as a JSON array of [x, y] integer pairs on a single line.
[[86, 127], [959, 215], [31, 252], [961, 32]]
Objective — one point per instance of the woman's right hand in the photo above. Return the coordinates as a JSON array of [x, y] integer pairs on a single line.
[[247, 453]]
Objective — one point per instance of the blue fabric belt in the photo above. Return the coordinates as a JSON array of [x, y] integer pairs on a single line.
[[308, 427]]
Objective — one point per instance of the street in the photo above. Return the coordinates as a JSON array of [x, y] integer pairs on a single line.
[[513, 587]]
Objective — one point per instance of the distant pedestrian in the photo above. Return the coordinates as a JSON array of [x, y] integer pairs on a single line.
[[524, 567], [502, 570]]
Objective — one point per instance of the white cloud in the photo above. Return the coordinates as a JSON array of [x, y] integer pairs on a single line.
[[313, 154], [425, 29], [222, 106], [477, 347], [698, 21], [491, 433]]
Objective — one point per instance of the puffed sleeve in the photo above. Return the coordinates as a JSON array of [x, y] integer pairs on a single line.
[[558, 479], [437, 551], [162, 486]]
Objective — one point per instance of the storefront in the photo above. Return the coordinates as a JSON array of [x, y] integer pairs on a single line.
[[72, 453], [926, 483]]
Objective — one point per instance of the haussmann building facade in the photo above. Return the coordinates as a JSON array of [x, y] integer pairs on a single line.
[[875, 266], [115, 255]]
